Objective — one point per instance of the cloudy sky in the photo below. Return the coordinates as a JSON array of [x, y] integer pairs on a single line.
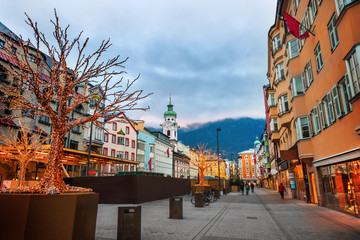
[[210, 55]]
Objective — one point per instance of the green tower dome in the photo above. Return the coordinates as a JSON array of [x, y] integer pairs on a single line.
[[257, 141], [170, 112]]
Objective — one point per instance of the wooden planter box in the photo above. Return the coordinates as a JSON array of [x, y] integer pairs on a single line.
[[235, 188], [40, 216]]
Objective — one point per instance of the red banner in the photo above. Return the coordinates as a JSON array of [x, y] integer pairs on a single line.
[[294, 27]]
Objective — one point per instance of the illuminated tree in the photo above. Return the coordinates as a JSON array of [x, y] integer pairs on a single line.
[[200, 159], [23, 147], [45, 78]]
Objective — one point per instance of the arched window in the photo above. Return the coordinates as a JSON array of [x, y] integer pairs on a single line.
[[168, 133]]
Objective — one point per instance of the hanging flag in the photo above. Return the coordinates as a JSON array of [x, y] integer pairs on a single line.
[[294, 27], [168, 152], [149, 164]]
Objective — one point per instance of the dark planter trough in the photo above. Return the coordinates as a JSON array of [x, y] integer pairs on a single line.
[[40, 216]]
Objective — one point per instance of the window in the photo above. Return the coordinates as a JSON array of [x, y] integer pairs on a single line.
[[352, 64], [302, 31], [168, 133], [106, 137], [336, 101], [276, 43], [319, 2], [284, 105], [312, 10], [308, 73], [319, 61], [74, 144], [120, 154], [2, 43], [340, 4], [132, 143], [76, 130], [126, 155], [345, 90], [334, 39], [127, 130], [292, 49], [126, 142], [316, 120], [274, 125], [105, 151], [321, 113], [113, 138], [280, 72], [329, 109], [133, 156], [141, 145], [3, 75], [112, 153], [44, 119], [120, 140], [271, 100], [310, 125], [296, 86], [306, 18], [114, 126], [31, 58], [13, 50], [295, 6]]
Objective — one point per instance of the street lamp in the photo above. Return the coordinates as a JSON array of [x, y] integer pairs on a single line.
[[89, 148], [217, 143]]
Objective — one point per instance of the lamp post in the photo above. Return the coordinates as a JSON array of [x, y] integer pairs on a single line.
[[89, 148], [217, 143]]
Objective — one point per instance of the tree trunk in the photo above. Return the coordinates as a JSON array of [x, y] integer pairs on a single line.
[[201, 176], [52, 182], [22, 174]]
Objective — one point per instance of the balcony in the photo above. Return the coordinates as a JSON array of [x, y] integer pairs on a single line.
[[305, 150], [285, 119], [272, 110], [275, 136]]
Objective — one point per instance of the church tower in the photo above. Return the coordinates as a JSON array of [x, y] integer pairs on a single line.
[[170, 125]]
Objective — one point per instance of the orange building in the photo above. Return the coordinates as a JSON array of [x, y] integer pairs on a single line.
[[313, 101], [247, 165]]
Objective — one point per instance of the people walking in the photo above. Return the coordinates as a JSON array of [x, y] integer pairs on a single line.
[[252, 187], [247, 187], [282, 189], [242, 186]]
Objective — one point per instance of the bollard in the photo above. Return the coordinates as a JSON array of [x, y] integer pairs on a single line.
[[129, 223], [176, 207], [199, 199]]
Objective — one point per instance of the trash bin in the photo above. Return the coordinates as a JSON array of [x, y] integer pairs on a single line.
[[129, 223], [176, 207], [199, 199]]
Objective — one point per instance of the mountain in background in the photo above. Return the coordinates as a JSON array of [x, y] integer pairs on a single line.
[[236, 135]]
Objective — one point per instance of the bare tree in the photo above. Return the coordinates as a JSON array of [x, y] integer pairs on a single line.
[[23, 147], [202, 160], [45, 78]]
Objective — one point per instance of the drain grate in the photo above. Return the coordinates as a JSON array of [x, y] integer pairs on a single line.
[[251, 217]]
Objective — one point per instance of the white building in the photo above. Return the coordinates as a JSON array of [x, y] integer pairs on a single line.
[[163, 154], [170, 125], [120, 141]]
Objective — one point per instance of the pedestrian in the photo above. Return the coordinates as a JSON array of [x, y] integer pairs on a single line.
[[242, 186], [252, 187], [247, 188], [282, 189]]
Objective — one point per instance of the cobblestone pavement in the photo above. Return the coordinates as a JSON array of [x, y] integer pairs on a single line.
[[262, 215]]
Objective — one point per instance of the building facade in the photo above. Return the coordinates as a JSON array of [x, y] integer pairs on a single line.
[[314, 106], [247, 165], [164, 154], [120, 141], [145, 153]]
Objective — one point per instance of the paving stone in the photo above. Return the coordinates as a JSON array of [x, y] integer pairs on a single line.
[[262, 216]]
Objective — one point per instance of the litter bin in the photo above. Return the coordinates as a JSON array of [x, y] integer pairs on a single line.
[[176, 207], [199, 199], [129, 223]]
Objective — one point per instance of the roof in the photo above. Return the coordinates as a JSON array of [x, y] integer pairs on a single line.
[[39, 130], [8, 32], [6, 121]]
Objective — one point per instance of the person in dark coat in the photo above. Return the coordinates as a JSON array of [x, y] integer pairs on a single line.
[[282, 189], [242, 186], [252, 187], [247, 187]]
